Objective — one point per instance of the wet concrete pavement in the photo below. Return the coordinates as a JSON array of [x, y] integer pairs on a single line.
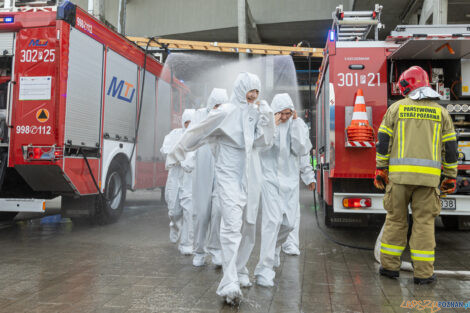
[[132, 267]]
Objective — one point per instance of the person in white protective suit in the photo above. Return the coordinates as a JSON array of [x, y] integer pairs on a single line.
[[206, 209], [307, 174], [278, 163], [178, 190], [240, 128]]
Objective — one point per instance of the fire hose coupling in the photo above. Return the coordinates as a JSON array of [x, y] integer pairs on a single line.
[[42, 153]]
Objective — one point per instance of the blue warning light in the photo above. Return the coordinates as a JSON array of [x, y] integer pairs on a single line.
[[7, 19], [332, 35]]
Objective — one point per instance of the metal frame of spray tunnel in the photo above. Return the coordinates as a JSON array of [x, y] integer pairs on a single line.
[[298, 50]]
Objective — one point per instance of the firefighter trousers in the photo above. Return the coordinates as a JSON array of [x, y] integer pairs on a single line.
[[425, 206]]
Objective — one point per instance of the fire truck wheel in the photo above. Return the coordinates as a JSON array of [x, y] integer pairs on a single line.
[[450, 222], [109, 210]]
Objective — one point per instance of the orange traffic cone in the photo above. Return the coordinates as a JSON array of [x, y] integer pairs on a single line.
[[360, 130]]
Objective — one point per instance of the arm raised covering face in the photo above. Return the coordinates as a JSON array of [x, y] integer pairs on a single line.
[[200, 134], [300, 141], [264, 132]]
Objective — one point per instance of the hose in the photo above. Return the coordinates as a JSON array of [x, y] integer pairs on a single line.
[[408, 266], [144, 69]]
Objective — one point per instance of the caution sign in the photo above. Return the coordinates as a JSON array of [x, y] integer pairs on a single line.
[[42, 115]]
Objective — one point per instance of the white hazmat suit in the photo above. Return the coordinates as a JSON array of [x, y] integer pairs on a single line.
[[206, 207], [240, 129], [292, 144], [291, 246], [178, 190]]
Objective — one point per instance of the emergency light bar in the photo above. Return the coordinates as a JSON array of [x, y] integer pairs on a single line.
[[42, 153], [7, 20]]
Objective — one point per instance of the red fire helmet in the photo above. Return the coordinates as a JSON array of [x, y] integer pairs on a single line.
[[413, 78]]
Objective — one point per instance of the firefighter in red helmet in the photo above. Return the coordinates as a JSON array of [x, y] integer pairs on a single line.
[[415, 141]]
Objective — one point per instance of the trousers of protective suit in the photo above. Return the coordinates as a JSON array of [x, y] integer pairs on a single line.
[[425, 206], [206, 206], [237, 237], [293, 237], [274, 230], [181, 212]]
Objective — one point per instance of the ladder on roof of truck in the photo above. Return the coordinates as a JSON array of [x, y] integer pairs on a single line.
[[227, 47], [356, 25]]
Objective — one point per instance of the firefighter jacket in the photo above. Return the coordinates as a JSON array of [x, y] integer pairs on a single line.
[[415, 141]]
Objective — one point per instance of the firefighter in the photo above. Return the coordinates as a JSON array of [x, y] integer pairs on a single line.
[[416, 138]]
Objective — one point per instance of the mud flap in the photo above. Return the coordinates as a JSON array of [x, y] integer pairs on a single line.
[[76, 207]]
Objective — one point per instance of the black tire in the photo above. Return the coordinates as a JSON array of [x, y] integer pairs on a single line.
[[451, 222], [109, 207]]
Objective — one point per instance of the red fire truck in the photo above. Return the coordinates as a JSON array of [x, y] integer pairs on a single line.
[[346, 167], [78, 118]]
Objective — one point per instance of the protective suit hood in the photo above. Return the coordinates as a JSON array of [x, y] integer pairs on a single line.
[[187, 116], [245, 82], [423, 93], [282, 101], [217, 96]]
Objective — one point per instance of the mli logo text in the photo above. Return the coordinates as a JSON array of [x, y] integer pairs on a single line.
[[38, 43], [116, 88]]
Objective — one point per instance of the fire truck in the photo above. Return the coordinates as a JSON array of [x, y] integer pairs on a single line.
[[83, 113], [346, 167]]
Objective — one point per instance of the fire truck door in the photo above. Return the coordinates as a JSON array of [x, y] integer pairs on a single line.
[[146, 136]]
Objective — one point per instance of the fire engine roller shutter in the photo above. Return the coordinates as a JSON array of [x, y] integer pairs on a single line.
[[120, 105], [84, 90], [6, 43], [163, 114], [146, 137]]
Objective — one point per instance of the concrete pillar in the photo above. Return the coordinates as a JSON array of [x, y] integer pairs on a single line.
[[121, 25], [242, 34], [439, 14], [96, 7], [7, 4], [434, 11]]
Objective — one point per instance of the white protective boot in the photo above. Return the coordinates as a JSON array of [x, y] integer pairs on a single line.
[[216, 257], [199, 259], [244, 280], [262, 281]]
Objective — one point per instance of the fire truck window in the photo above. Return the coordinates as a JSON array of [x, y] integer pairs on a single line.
[[175, 99]]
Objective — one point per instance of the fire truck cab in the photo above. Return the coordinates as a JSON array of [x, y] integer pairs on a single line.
[[83, 113], [345, 169]]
